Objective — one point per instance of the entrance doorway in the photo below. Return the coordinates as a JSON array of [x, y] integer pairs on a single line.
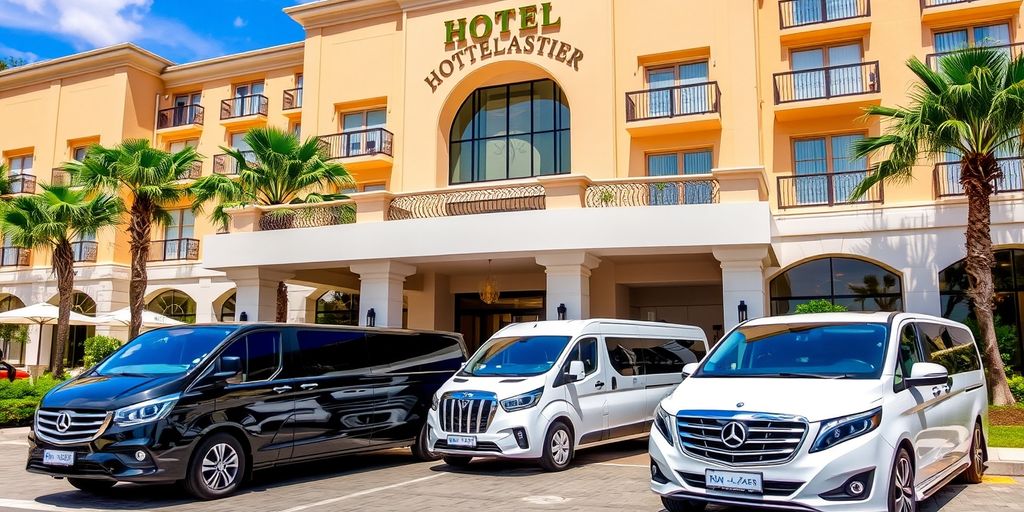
[[74, 351], [477, 321]]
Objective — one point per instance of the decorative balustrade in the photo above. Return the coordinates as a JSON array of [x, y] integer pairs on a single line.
[[180, 115], [679, 100], [292, 98], [825, 189], [21, 184], [358, 143], [827, 82], [306, 215], [242, 106], [84, 250], [496, 199], [1011, 50], [60, 177], [798, 13], [936, 3], [195, 171], [226, 164], [946, 178], [14, 257], [653, 191], [174, 249]]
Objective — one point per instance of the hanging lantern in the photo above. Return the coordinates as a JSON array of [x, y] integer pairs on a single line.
[[489, 288]]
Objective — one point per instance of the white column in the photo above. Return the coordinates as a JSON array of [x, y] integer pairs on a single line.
[[742, 280], [568, 283], [256, 293], [381, 285], [298, 303]]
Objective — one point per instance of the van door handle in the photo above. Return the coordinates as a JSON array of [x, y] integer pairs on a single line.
[[615, 383], [936, 391], [282, 389], [599, 384], [308, 387]]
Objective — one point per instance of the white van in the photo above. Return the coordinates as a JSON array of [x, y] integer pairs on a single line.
[[539, 390]]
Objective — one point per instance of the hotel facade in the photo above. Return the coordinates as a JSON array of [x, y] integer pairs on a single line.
[[671, 160]]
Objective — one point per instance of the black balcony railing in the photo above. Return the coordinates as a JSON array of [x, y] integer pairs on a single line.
[[825, 189], [241, 106], [14, 257], [292, 98], [84, 250], [797, 13], [174, 249], [1012, 50], [358, 143], [827, 82], [946, 177], [935, 3], [21, 184], [181, 115], [680, 100], [195, 171], [60, 177], [226, 164]]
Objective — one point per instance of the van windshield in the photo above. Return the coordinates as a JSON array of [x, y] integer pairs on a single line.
[[165, 352], [800, 350], [523, 356]]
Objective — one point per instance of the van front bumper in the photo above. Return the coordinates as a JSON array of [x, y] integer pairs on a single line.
[[499, 440], [796, 485]]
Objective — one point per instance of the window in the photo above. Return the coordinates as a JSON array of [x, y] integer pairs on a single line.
[[951, 347], [645, 356], [676, 163], [14, 351], [186, 108], [371, 187], [174, 304], [337, 308], [908, 355], [297, 130], [586, 351], [78, 153], [363, 131], [248, 99], [859, 285], [259, 353], [227, 310], [19, 165], [415, 352], [841, 77], [178, 235], [983, 35], [326, 352], [815, 158], [679, 89], [510, 131], [179, 145]]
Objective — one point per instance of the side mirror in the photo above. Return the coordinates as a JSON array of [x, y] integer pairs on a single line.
[[690, 369], [576, 371], [229, 366], [927, 374]]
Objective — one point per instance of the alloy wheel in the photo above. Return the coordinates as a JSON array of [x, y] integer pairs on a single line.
[[903, 487], [979, 451], [220, 466], [560, 447]]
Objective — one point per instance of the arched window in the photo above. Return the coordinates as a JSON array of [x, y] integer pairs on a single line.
[[338, 308], [1008, 277], [227, 310], [13, 338], [83, 304], [174, 304], [856, 284], [510, 131]]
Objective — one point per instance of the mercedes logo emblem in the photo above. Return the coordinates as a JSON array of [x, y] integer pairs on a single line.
[[63, 422], [463, 403], [734, 434]]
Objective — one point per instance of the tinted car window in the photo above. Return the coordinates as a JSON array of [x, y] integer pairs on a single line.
[[908, 355], [415, 352], [586, 351], [645, 356], [169, 351], [951, 347], [260, 354], [325, 352]]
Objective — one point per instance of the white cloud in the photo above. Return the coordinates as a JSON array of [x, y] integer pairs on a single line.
[[239, 22], [88, 24], [7, 51]]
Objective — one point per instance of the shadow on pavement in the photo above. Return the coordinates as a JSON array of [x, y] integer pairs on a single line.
[[625, 452]]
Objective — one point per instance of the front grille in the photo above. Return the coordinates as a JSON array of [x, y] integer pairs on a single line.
[[77, 427], [467, 412], [768, 438], [481, 446], [770, 487]]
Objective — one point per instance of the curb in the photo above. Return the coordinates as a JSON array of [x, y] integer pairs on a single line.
[[1005, 468], [13, 433]]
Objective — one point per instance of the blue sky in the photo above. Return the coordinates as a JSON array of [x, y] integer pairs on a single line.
[[179, 30]]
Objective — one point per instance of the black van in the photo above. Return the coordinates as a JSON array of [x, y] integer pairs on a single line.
[[208, 404]]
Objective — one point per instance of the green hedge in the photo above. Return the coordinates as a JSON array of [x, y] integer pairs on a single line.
[[19, 399], [1017, 387]]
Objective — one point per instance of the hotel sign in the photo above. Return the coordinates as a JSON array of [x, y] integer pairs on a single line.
[[484, 37]]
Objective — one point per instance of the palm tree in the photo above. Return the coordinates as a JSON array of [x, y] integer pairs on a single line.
[[282, 170], [151, 180], [52, 220], [971, 108]]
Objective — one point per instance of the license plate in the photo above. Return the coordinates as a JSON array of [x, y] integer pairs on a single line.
[[462, 441], [733, 481], [58, 458]]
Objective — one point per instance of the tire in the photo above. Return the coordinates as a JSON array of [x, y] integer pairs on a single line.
[[421, 448], [91, 486], [458, 461], [558, 447], [217, 467], [976, 471], [901, 483], [680, 505]]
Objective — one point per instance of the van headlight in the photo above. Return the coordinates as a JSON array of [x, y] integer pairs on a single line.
[[663, 421], [843, 429], [523, 401], [145, 412], [434, 402]]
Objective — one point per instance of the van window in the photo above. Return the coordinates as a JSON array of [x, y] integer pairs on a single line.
[[951, 347], [909, 353], [586, 351], [416, 352], [646, 356], [260, 354], [325, 352]]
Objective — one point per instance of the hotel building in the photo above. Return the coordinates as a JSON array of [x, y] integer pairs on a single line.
[[675, 160]]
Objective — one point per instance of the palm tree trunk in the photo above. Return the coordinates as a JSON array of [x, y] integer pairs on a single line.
[[139, 230], [978, 264], [63, 266], [282, 302]]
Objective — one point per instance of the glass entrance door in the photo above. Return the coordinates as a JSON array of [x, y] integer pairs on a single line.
[[478, 321]]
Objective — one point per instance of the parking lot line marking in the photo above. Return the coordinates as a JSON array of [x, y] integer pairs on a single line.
[[996, 479], [15, 443], [35, 505], [621, 465], [361, 493]]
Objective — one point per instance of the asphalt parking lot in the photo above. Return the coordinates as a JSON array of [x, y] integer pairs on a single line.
[[604, 479]]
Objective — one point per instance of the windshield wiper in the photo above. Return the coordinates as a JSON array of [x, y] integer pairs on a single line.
[[796, 375], [126, 374]]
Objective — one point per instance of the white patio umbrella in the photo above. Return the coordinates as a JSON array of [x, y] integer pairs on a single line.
[[123, 317], [42, 314]]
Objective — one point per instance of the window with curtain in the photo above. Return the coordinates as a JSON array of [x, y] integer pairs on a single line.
[[177, 234], [680, 163], [841, 76], [678, 90], [815, 159], [857, 284], [510, 131], [362, 129]]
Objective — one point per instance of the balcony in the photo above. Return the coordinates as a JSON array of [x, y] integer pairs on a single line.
[[801, 13], [175, 249], [243, 109], [471, 201], [825, 189], [363, 148], [831, 90], [60, 177], [21, 184], [180, 118], [1012, 50], [194, 172], [677, 109], [84, 251], [292, 99], [653, 191], [942, 12], [946, 178], [225, 164], [14, 257]]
